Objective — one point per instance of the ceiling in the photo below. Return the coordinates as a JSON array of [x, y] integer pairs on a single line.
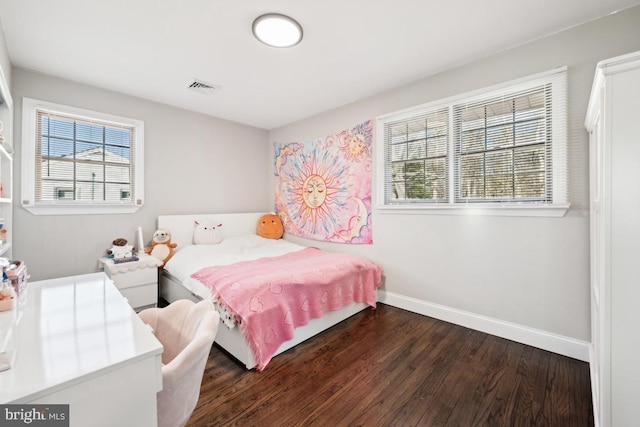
[[352, 49]]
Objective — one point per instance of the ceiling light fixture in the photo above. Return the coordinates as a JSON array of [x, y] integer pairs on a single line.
[[276, 30]]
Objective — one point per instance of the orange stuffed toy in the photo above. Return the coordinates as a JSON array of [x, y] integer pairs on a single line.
[[270, 227]]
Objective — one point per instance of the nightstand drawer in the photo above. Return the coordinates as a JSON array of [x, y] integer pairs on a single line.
[[128, 279], [137, 280], [140, 296]]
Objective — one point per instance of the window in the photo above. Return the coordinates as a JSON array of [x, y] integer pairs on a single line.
[[79, 161], [501, 150], [418, 157]]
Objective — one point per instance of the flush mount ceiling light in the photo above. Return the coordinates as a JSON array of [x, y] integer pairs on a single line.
[[276, 30]]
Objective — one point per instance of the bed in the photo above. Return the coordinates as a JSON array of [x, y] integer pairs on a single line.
[[186, 276]]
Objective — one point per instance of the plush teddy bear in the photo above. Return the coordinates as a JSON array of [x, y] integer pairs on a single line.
[[120, 249], [270, 226], [161, 246], [207, 234]]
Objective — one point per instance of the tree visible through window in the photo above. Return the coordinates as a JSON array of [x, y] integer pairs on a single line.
[[504, 148], [418, 151]]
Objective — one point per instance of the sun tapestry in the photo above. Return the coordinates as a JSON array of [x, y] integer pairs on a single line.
[[323, 187]]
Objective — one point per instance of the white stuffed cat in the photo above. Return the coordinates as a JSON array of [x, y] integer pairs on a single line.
[[207, 233]]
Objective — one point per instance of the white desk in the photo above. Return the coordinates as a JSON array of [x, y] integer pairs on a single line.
[[78, 342]]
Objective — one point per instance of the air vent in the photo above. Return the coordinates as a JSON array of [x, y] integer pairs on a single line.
[[204, 88]]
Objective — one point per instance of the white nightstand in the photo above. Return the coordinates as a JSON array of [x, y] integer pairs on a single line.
[[136, 280]]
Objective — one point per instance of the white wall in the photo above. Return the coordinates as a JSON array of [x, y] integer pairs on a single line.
[[193, 164], [520, 273]]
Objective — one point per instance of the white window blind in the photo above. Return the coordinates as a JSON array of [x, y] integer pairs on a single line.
[[83, 160], [80, 161], [417, 149], [501, 147]]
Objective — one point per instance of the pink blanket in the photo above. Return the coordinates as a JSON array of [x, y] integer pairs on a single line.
[[270, 297]]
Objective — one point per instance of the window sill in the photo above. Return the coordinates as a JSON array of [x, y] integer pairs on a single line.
[[487, 209], [86, 209]]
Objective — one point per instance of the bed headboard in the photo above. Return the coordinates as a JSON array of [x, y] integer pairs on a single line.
[[233, 224]]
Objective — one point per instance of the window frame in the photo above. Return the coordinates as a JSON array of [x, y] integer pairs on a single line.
[[30, 107], [453, 206]]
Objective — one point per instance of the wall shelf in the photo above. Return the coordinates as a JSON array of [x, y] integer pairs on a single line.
[[4, 248], [6, 166]]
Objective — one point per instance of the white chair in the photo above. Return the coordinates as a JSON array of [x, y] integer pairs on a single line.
[[186, 331]]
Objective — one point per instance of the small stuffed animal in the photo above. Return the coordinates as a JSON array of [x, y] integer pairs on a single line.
[[207, 234], [270, 226], [120, 249], [161, 246]]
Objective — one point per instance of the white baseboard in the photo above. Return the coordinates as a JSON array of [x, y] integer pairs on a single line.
[[559, 344]]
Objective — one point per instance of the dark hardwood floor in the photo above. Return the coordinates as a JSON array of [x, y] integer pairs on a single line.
[[390, 367]]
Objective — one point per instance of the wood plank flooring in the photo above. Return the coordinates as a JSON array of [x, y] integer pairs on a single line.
[[390, 367]]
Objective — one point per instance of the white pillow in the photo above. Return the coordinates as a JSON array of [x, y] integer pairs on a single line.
[[206, 233]]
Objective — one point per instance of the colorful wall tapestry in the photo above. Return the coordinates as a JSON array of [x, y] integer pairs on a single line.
[[323, 187]]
